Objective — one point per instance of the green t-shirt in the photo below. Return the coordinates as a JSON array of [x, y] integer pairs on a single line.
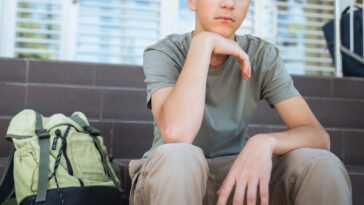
[[230, 101]]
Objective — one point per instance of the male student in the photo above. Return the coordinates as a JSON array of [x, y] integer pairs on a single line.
[[203, 88]]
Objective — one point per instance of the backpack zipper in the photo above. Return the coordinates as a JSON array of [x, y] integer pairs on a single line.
[[55, 140]]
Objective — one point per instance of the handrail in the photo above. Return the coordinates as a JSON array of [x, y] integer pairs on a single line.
[[338, 57]]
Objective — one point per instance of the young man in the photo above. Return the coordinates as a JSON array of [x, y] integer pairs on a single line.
[[203, 88]]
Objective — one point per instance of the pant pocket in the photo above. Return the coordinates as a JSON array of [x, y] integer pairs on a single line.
[[135, 172]]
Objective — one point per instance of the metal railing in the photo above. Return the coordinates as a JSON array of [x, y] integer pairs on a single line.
[[339, 48]]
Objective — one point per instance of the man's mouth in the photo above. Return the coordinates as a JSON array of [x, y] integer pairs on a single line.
[[225, 18]]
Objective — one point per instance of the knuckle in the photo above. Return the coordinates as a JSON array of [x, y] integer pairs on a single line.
[[238, 200], [223, 193], [264, 193], [250, 198], [264, 200]]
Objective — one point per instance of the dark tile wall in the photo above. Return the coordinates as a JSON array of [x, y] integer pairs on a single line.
[[132, 139], [5, 145], [13, 70], [353, 144], [357, 181], [336, 142], [313, 86], [12, 98], [128, 105], [126, 76], [48, 100], [61, 73], [114, 98]]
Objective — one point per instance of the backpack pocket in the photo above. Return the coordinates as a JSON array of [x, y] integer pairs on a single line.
[[86, 159], [26, 161]]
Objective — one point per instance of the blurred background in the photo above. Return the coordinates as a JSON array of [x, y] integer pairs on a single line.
[[117, 31]]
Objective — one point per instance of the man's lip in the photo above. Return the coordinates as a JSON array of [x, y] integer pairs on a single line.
[[226, 18]]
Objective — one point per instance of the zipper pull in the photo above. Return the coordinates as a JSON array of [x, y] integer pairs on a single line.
[[58, 135]]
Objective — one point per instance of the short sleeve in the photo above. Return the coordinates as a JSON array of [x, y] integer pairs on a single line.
[[160, 70], [276, 83]]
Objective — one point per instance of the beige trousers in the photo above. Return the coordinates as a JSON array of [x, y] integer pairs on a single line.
[[179, 174]]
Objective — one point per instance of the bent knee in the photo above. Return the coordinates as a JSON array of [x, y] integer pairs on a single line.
[[299, 159], [181, 155], [321, 162], [180, 150]]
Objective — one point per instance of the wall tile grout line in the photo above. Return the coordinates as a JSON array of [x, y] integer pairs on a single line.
[[101, 104], [112, 139], [81, 86], [94, 74], [26, 83], [331, 87]]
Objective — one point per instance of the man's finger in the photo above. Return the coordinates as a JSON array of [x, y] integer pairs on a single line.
[[245, 68], [239, 194], [225, 190], [264, 191], [251, 196]]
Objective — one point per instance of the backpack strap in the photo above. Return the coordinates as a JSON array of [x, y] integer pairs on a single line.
[[43, 136], [11, 201], [104, 157], [7, 180]]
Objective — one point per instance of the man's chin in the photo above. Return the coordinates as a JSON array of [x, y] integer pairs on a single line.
[[225, 33]]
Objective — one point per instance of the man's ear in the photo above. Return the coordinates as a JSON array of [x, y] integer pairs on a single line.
[[192, 4]]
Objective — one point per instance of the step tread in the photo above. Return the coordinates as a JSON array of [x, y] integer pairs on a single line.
[[352, 169], [355, 169]]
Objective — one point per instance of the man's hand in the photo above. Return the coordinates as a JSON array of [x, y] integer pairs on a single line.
[[223, 46], [250, 172]]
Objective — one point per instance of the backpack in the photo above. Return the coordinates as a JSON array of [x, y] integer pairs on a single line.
[[57, 160], [352, 62]]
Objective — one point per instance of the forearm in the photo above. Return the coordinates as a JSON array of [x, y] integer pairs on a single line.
[[182, 112], [310, 136]]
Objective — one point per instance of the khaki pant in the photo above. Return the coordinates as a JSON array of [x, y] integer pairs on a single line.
[[179, 174]]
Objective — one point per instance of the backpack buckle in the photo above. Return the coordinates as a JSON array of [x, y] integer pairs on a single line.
[[92, 131], [42, 134]]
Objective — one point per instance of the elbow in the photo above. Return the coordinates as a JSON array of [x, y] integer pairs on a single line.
[[321, 136], [325, 140], [171, 134]]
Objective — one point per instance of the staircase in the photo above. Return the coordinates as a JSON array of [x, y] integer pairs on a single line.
[[338, 103], [113, 97]]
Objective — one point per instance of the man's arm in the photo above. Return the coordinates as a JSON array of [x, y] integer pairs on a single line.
[[178, 111], [304, 128], [252, 168]]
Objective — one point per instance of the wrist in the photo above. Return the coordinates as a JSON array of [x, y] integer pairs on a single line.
[[205, 40], [266, 139]]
